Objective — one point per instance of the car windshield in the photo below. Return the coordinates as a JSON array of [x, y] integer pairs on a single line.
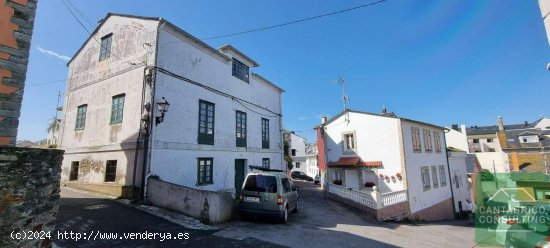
[[261, 183]]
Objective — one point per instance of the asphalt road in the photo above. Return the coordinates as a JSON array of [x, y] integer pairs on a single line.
[[92, 218], [321, 222]]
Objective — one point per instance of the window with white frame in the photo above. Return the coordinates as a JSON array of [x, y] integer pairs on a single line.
[[427, 140], [442, 176], [437, 141], [528, 139], [415, 133], [425, 172], [265, 162], [434, 176], [349, 141]]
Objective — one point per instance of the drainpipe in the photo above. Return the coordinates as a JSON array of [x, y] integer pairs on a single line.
[[449, 171], [149, 130], [136, 155]]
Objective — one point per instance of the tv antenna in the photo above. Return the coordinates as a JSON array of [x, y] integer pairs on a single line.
[[345, 99]]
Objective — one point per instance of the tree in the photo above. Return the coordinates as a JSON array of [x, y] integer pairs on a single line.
[[288, 159]]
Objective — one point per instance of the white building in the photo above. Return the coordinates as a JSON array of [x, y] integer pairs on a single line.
[[222, 117], [462, 186], [403, 158], [311, 160], [297, 151]]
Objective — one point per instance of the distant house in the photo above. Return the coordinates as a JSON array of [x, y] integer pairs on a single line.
[[390, 166], [311, 160], [460, 183], [298, 150]]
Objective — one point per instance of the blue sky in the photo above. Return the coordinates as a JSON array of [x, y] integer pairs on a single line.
[[441, 62]]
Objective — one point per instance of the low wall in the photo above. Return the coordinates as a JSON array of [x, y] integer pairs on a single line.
[[122, 191], [367, 210], [440, 211], [29, 193], [207, 206]]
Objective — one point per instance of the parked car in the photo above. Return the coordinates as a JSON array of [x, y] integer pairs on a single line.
[[300, 175], [268, 193], [316, 179]]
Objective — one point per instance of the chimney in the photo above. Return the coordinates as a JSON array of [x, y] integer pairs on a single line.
[[384, 109], [455, 127], [526, 124], [500, 124], [323, 120]]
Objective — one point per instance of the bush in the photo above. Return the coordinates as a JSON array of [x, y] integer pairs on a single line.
[[337, 182], [486, 175], [369, 184]]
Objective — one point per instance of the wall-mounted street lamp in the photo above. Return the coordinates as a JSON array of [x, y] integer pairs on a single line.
[[163, 108]]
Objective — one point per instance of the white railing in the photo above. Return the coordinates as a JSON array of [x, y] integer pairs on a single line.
[[392, 198], [363, 198]]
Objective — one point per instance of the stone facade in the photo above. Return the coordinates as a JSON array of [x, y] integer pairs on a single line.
[[17, 18], [29, 193]]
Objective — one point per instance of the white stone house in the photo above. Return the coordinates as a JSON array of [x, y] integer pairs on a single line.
[[461, 185], [311, 160], [222, 117], [297, 151], [405, 161]]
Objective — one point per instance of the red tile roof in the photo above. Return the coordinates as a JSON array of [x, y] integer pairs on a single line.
[[354, 162]]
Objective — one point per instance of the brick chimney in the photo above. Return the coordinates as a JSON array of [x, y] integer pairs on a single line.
[[500, 124], [501, 133]]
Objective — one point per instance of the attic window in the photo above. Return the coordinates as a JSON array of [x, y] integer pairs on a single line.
[[240, 70], [105, 51], [528, 139]]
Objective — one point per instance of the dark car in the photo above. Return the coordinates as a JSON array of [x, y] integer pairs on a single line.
[[268, 194], [300, 175]]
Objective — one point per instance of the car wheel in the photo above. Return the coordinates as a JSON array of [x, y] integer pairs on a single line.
[[284, 219], [296, 207]]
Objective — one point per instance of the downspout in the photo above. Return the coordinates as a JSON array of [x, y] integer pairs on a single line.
[[282, 146], [449, 172], [149, 130], [136, 154]]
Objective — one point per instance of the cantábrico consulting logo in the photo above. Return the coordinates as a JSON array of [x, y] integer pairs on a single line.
[[512, 209]]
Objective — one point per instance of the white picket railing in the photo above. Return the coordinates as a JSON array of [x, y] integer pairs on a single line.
[[360, 197], [392, 198]]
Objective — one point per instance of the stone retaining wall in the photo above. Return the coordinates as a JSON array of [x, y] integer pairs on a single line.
[[29, 193]]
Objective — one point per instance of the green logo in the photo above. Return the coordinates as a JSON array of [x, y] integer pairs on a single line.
[[512, 209]]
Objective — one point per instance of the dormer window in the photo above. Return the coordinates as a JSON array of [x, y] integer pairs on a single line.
[[528, 139], [240, 70]]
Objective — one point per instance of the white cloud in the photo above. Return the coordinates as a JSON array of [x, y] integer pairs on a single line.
[[54, 54]]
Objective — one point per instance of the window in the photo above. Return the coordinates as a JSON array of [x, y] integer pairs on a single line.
[[117, 109], [434, 176], [476, 141], [81, 117], [338, 175], [204, 171], [492, 150], [240, 70], [457, 182], [427, 140], [265, 133], [261, 183], [293, 152], [286, 185], [298, 165], [265, 162], [110, 171], [437, 141], [74, 171], [425, 170], [489, 140], [528, 139], [105, 50], [417, 146], [240, 126], [442, 176], [349, 142], [206, 123]]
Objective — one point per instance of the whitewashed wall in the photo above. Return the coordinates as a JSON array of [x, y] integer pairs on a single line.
[[94, 83], [457, 140], [459, 178], [499, 159], [175, 149], [377, 140], [418, 198]]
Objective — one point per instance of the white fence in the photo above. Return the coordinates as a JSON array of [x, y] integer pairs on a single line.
[[371, 199], [392, 198]]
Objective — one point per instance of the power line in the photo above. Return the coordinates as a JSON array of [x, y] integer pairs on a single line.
[[295, 21], [81, 24], [182, 78]]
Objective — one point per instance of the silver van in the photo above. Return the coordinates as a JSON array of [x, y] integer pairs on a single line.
[[268, 193]]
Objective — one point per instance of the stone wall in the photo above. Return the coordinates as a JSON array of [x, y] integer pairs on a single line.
[[528, 162], [29, 193], [17, 20], [207, 206]]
